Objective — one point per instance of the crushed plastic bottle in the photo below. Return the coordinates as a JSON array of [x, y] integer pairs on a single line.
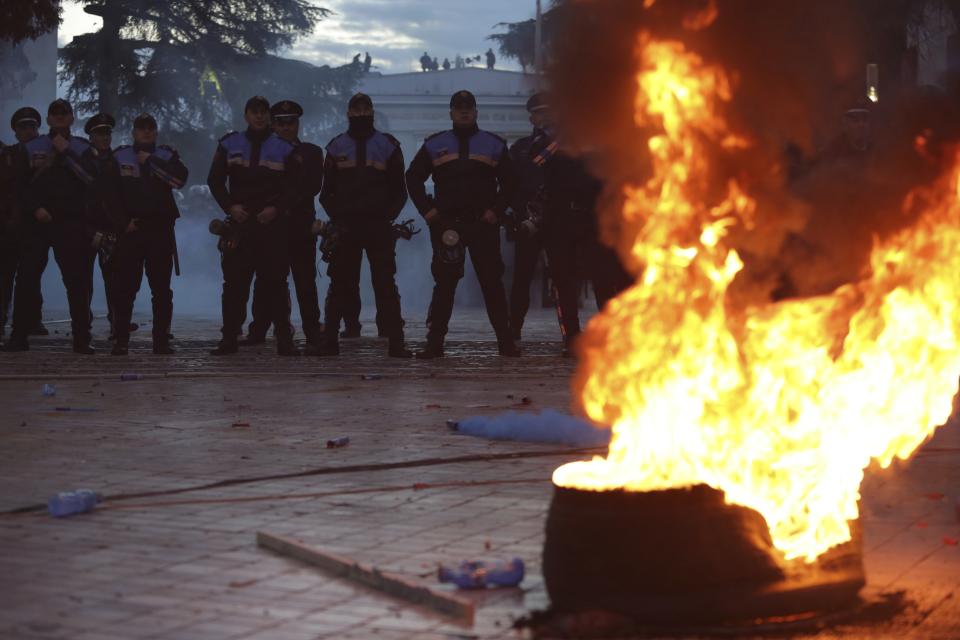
[[336, 443], [70, 503], [49, 390], [478, 575]]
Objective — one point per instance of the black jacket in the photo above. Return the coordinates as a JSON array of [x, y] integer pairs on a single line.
[[54, 180], [363, 179], [310, 179], [146, 190], [471, 170]]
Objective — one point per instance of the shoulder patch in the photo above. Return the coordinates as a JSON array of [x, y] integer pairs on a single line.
[[335, 139], [166, 147], [438, 133], [121, 147], [228, 134], [501, 139], [392, 139]]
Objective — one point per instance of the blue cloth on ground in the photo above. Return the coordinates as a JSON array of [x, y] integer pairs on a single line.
[[548, 426]]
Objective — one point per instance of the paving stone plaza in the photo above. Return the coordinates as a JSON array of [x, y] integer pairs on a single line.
[[407, 493]]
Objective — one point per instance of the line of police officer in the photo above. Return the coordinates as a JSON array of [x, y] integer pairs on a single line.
[[77, 196]]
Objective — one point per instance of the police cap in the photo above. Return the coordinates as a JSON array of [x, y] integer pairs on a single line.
[[102, 122], [145, 121], [463, 99], [360, 100], [257, 102], [59, 105], [286, 110], [25, 115], [538, 102]]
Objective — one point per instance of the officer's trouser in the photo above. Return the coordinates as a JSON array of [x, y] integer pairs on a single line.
[[350, 303], [75, 258], [262, 251], [8, 268], [482, 241], [302, 252], [378, 241], [528, 249], [149, 250]]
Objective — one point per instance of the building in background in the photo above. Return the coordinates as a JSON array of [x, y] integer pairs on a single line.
[[412, 106]]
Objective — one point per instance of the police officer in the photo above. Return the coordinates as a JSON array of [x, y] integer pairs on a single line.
[[54, 207], [252, 179], [25, 124], [149, 172], [301, 246], [571, 233], [474, 182], [528, 237], [363, 193], [103, 209]]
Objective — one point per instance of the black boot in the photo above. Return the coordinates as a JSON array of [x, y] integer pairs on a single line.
[[286, 347], [16, 343], [351, 331], [253, 339], [509, 349], [398, 349], [162, 348], [82, 346], [119, 348], [225, 348], [39, 330], [431, 351], [329, 348]]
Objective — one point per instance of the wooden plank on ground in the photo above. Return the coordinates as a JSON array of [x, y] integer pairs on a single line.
[[392, 584]]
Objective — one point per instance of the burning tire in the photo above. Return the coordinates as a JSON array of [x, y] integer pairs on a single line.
[[683, 556]]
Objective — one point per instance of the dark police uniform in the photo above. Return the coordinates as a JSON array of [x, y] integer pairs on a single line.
[[146, 193], [363, 193], [103, 207], [58, 182], [259, 167], [301, 245], [11, 221], [528, 246], [571, 232], [472, 172]]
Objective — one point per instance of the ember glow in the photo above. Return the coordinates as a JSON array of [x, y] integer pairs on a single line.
[[780, 405]]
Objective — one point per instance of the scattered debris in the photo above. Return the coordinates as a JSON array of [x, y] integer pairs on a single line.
[[76, 409], [242, 584], [479, 574], [453, 425], [70, 503], [391, 584], [436, 406], [953, 542], [49, 390], [240, 423], [129, 377], [546, 426], [336, 443], [371, 376], [933, 496]]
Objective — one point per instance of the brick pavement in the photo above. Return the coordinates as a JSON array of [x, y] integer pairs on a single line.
[[186, 566]]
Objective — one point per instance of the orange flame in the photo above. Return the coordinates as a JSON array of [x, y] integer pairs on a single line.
[[781, 406]]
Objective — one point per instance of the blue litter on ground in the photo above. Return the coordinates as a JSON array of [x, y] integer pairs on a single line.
[[549, 426]]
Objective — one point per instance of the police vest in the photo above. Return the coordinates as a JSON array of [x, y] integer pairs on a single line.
[[379, 147], [126, 157], [273, 152], [41, 154], [484, 147]]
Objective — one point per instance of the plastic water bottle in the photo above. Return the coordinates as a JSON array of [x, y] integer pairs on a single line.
[[477, 575], [336, 443], [129, 377], [69, 503], [49, 390]]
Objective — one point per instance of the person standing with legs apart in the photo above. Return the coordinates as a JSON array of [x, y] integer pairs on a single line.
[[301, 247], [474, 182], [148, 175], [252, 179], [363, 193], [54, 211]]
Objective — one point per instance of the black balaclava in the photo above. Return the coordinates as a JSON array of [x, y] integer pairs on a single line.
[[360, 126]]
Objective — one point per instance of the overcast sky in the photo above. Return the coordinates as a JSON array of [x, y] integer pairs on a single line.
[[395, 32]]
